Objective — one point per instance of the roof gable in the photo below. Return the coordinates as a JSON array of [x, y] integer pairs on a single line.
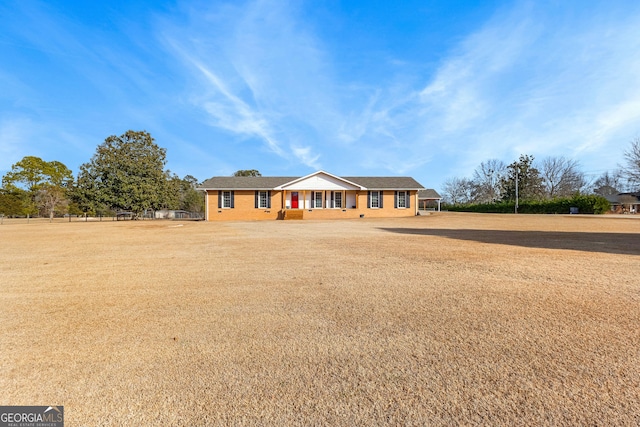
[[429, 193], [320, 180]]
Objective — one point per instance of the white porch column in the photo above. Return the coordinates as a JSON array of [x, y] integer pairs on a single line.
[[206, 205]]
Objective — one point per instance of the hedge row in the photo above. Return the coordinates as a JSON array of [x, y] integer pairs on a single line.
[[586, 204]]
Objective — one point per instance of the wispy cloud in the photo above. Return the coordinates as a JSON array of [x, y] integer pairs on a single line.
[[267, 84], [306, 155], [543, 82], [261, 72], [233, 114]]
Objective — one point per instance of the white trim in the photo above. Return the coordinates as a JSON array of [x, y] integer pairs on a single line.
[[314, 199], [295, 181], [266, 199], [234, 188], [222, 199], [371, 199], [405, 195], [333, 204]]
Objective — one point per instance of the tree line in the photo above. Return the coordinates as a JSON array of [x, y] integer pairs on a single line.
[[553, 178], [126, 173]]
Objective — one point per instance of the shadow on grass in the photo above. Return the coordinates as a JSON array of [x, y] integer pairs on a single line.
[[613, 243]]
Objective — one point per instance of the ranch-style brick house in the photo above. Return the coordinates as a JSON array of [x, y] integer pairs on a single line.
[[319, 195]]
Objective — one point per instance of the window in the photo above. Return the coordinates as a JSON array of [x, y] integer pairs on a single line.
[[262, 200], [402, 199], [317, 199], [337, 200], [225, 199], [374, 197]]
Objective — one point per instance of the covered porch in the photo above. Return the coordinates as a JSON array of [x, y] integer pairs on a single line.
[[320, 191], [320, 199]]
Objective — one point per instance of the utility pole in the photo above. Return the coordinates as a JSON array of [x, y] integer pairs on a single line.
[[517, 168], [491, 186]]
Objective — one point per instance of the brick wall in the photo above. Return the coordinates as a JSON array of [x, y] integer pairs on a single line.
[[244, 208]]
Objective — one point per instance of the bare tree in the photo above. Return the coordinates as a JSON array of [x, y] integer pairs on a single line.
[[51, 198], [561, 177], [486, 180], [458, 191], [608, 184], [632, 166]]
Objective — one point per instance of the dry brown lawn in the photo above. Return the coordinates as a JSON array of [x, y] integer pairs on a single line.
[[449, 319]]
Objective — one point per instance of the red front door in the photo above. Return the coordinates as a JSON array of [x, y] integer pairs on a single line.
[[294, 200]]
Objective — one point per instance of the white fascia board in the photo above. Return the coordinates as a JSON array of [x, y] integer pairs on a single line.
[[235, 189], [295, 181], [392, 189]]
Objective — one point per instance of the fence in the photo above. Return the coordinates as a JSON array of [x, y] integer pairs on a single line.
[[116, 216]]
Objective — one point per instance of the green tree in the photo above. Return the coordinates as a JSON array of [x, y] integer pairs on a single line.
[[126, 173], [45, 184], [32, 172], [12, 202], [192, 200], [84, 193], [528, 178], [182, 194], [247, 172], [172, 193]]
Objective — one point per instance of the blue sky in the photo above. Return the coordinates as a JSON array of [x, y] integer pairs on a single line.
[[427, 89]]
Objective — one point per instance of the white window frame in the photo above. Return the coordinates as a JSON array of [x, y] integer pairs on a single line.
[[226, 199], [337, 195], [402, 205], [377, 199], [315, 199], [263, 199]]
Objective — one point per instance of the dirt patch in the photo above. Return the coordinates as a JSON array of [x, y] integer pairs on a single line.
[[440, 320]]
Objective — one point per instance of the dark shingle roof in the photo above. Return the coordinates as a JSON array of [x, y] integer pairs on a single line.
[[245, 182], [386, 182], [270, 182], [612, 198], [428, 193], [623, 198]]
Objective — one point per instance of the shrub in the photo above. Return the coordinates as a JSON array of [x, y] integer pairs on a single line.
[[586, 204]]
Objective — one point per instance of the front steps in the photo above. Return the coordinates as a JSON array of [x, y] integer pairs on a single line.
[[292, 214]]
